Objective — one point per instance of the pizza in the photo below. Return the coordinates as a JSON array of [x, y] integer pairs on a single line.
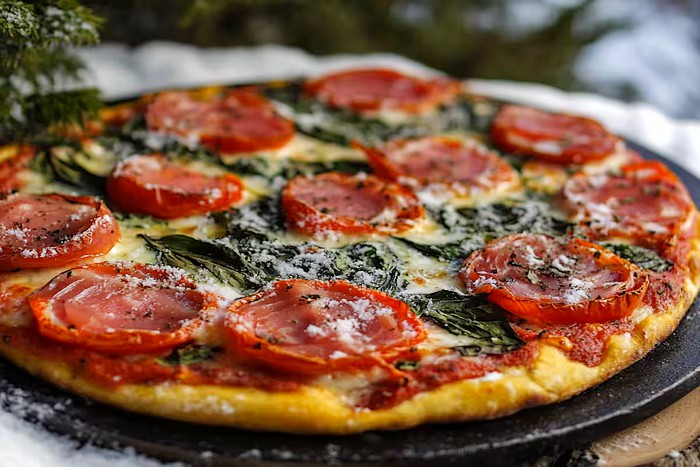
[[355, 251]]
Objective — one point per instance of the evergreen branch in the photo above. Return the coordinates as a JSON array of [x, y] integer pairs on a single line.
[[35, 62], [38, 112], [18, 23], [66, 22]]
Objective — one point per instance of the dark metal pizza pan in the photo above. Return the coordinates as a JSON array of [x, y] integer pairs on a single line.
[[664, 376]]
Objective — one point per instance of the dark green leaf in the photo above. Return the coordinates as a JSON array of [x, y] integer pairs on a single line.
[[196, 256], [496, 220], [294, 168], [337, 126], [189, 355], [251, 261], [290, 168], [343, 128], [473, 113], [259, 218], [373, 265], [642, 257], [472, 317], [139, 221], [447, 251], [259, 166]]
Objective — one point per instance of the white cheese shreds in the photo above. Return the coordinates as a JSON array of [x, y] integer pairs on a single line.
[[578, 290]]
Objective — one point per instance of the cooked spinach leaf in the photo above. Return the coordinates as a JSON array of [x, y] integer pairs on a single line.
[[373, 265], [478, 225], [642, 257], [252, 166], [141, 141], [139, 221], [253, 260], [495, 220], [290, 168], [482, 324], [194, 255], [259, 218], [447, 251], [336, 126], [342, 127], [189, 355]]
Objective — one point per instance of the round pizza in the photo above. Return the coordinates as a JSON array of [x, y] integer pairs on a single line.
[[355, 251]]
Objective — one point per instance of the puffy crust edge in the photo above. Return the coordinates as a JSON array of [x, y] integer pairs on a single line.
[[315, 410]]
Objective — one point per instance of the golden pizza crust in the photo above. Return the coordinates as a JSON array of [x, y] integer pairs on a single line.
[[552, 378]]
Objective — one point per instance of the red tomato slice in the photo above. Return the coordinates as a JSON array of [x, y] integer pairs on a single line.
[[12, 166], [311, 327], [236, 122], [119, 308], [558, 138], [44, 231], [440, 160], [563, 281], [353, 204], [376, 88], [164, 188], [644, 203]]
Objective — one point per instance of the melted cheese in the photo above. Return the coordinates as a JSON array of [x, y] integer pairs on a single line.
[[423, 274]]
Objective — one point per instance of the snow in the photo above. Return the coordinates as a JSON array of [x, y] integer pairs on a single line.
[[644, 55], [121, 72], [27, 445]]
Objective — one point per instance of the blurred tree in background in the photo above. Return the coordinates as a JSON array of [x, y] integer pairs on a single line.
[[465, 38], [36, 65]]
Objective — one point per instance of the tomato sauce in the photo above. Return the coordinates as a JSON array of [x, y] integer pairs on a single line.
[[433, 375]]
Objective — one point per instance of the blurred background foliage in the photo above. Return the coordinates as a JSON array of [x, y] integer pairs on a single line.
[[629, 49], [465, 38]]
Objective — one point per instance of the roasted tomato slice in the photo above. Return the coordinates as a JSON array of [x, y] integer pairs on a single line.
[[165, 188], [644, 203], [119, 307], [366, 90], [45, 231], [310, 327], [555, 280], [461, 166], [352, 204], [237, 121], [13, 159], [553, 137]]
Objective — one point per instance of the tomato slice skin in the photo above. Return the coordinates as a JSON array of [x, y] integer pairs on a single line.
[[351, 204], [291, 326], [372, 89], [154, 185], [558, 138], [71, 308], [10, 167], [458, 165], [644, 203], [236, 121], [557, 281], [78, 227]]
